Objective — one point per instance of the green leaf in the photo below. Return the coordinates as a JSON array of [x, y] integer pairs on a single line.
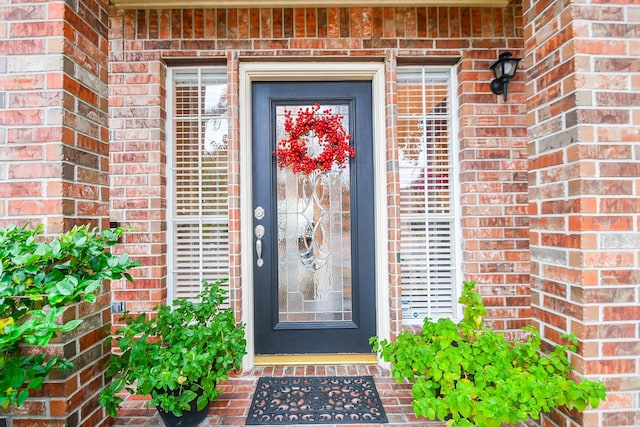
[[79, 239], [42, 249], [36, 383], [187, 396], [464, 406], [124, 259], [15, 376], [66, 286], [202, 402], [71, 325], [594, 401], [56, 247], [22, 397]]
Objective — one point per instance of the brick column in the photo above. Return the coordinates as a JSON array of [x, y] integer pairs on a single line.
[[493, 180], [138, 159], [54, 169], [584, 131]]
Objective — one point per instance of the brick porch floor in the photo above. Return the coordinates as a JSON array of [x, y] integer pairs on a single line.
[[232, 406]]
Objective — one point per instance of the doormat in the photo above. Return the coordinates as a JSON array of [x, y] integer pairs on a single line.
[[316, 400]]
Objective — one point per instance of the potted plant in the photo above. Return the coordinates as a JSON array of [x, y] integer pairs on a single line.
[[177, 356], [469, 375]]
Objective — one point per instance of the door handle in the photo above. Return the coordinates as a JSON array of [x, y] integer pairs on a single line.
[[259, 232]]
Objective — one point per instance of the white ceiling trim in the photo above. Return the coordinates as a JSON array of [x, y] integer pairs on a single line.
[[193, 4]]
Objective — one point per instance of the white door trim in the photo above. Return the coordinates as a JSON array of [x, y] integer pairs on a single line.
[[288, 71]]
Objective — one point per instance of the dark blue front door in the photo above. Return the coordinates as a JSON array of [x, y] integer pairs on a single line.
[[314, 278]]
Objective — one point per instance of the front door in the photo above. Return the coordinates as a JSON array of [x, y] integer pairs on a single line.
[[314, 273]]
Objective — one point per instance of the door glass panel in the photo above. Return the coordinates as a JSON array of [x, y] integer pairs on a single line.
[[314, 236]]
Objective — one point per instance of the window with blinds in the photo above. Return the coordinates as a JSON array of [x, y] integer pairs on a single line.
[[428, 214], [198, 179]]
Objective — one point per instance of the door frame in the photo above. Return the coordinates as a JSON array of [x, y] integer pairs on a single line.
[[313, 71]]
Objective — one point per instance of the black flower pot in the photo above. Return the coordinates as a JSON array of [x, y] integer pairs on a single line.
[[190, 418]]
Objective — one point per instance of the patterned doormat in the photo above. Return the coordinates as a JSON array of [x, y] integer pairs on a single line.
[[316, 400]]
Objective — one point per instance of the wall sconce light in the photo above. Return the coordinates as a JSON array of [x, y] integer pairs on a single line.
[[504, 69]]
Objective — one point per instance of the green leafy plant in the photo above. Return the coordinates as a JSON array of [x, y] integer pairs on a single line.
[[470, 375], [39, 279], [178, 355]]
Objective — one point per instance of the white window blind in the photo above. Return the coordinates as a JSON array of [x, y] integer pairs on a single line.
[[428, 214], [198, 179]]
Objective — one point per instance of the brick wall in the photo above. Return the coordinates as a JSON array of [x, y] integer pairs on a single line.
[[53, 120], [577, 115], [583, 98], [54, 168], [493, 132], [138, 158]]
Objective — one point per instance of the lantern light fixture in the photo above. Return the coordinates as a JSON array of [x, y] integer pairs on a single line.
[[504, 69]]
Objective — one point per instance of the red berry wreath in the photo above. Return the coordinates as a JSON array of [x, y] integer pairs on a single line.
[[292, 150]]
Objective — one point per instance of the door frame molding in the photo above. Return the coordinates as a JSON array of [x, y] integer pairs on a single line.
[[318, 71]]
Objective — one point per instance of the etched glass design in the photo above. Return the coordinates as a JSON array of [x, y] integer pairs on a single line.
[[314, 237]]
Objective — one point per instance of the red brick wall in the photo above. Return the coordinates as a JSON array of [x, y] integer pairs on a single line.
[[53, 120], [575, 122], [583, 95], [54, 168], [492, 132], [138, 159]]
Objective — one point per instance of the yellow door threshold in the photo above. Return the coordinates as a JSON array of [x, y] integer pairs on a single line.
[[315, 359]]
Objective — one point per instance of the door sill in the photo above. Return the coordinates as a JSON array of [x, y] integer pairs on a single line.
[[315, 359]]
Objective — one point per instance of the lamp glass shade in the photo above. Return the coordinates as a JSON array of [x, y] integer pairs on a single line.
[[509, 67], [497, 69]]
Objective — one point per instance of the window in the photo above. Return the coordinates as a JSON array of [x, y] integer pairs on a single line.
[[198, 180], [428, 210]]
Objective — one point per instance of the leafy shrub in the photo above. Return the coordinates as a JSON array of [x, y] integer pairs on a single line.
[[177, 356], [39, 279], [470, 375]]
